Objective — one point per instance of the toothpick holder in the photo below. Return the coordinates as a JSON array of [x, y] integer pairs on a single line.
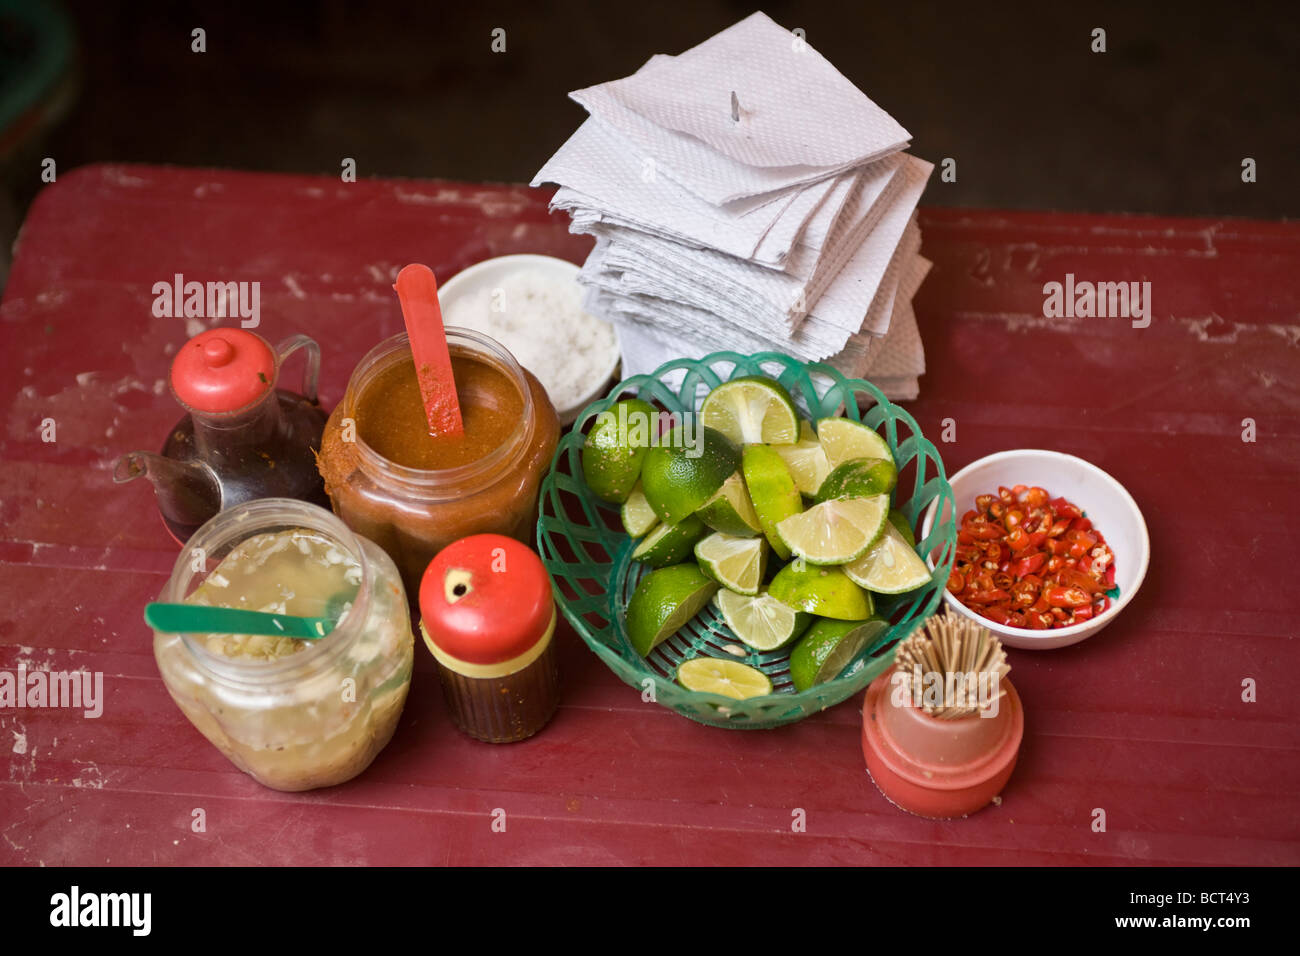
[[933, 767]]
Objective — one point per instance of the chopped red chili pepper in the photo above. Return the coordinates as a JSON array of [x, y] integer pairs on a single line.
[[1064, 509], [1072, 577], [1018, 540], [1029, 564], [1026, 559], [997, 614], [983, 531], [1058, 596]]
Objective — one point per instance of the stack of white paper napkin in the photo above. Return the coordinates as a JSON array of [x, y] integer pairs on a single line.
[[745, 196]]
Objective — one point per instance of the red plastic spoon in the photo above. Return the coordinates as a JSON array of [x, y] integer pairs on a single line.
[[417, 290]]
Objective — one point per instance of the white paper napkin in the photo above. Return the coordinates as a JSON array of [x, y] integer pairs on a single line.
[[757, 299], [601, 173], [800, 119], [861, 349]]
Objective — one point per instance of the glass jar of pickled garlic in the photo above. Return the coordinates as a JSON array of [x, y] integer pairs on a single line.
[[293, 714]]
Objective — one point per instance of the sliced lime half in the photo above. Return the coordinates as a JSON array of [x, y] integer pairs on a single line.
[[828, 647], [663, 602], [730, 510], [761, 621], [735, 563], [637, 515], [890, 566], [713, 675], [845, 439], [752, 410], [837, 531], [669, 543], [806, 460]]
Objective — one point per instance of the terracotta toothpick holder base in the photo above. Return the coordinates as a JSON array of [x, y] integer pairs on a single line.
[[939, 768]]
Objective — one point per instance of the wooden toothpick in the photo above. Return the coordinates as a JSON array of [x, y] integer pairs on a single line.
[[950, 644]]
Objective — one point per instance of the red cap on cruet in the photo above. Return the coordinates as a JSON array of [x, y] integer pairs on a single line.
[[223, 370]]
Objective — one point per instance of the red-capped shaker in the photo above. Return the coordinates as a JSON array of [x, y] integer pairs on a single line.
[[488, 616]]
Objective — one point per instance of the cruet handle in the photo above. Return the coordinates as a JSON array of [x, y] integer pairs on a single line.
[[311, 371]]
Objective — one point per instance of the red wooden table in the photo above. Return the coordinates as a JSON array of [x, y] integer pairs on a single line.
[[1146, 721]]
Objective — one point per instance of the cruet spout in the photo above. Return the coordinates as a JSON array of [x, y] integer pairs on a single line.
[[188, 492]]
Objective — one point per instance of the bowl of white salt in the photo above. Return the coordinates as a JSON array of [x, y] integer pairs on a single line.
[[532, 305]]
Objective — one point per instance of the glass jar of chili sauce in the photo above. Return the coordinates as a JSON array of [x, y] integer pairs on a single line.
[[488, 617], [413, 493]]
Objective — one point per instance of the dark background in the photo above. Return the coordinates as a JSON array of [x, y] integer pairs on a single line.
[[1158, 124]]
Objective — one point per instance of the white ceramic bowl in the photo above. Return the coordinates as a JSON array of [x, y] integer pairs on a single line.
[[1112, 509], [490, 273]]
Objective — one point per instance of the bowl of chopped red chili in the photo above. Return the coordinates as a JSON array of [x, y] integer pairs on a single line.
[[1050, 548]]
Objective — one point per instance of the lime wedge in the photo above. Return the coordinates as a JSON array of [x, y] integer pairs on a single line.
[[806, 460], [762, 622], [670, 543], [845, 439], [713, 675], [859, 478], [899, 521], [730, 510], [616, 448], [685, 469], [828, 647], [836, 532], [735, 563], [890, 566], [638, 517], [773, 491], [663, 602], [751, 411], [826, 592]]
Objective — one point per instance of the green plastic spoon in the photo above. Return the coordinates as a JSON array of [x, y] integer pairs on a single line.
[[199, 619]]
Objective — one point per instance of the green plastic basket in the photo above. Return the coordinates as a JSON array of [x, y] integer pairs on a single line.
[[586, 551]]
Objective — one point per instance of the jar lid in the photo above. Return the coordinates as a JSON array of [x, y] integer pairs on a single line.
[[222, 370], [486, 599]]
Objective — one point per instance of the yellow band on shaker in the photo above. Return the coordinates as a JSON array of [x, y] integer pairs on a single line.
[[499, 669]]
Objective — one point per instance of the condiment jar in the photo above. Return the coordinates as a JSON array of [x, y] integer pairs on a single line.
[[934, 767], [241, 438], [488, 616], [319, 716], [413, 513]]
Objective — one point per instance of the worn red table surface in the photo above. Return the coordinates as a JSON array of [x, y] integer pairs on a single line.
[[1146, 721]]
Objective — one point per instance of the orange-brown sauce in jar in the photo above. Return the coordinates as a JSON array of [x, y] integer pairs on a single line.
[[391, 417]]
